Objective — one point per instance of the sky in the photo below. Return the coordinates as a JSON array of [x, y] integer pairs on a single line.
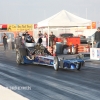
[[33, 11]]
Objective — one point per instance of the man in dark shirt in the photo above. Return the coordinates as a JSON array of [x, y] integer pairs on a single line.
[[40, 34], [97, 38], [18, 41], [40, 39], [5, 41], [51, 39]]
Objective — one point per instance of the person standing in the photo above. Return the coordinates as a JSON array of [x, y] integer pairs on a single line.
[[39, 39], [5, 41], [46, 37], [33, 41], [40, 34], [51, 39], [97, 38], [18, 41], [26, 34]]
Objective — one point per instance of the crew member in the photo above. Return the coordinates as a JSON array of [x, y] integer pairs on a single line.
[[5, 41], [51, 39], [40, 39], [97, 38], [18, 41]]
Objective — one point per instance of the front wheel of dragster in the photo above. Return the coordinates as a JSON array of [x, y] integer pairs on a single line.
[[80, 56], [56, 63], [79, 66]]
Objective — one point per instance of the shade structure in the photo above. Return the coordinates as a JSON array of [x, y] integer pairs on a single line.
[[64, 19]]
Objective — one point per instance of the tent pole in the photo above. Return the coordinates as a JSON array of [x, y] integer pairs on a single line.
[[92, 36], [36, 35], [77, 31], [48, 37], [33, 31]]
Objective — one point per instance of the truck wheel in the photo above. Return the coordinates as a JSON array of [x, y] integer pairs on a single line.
[[18, 57], [56, 63]]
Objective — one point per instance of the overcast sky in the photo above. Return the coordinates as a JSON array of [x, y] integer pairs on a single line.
[[33, 11]]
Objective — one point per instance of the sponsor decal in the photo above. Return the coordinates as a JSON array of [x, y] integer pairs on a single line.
[[51, 63], [46, 61], [98, 53], [93, 53]]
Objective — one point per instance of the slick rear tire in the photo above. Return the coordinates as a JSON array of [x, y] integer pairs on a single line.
[[56, 63], [19, 55]]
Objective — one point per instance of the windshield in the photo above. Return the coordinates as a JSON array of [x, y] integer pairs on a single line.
[[66, 35]]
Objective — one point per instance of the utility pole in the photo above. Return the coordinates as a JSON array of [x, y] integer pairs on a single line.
[[86, 13]]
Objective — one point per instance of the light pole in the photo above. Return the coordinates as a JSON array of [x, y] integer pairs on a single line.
[[19, 17], [44, 14], [86, 13]]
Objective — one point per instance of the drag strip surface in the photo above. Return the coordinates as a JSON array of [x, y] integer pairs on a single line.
[[37, 82]]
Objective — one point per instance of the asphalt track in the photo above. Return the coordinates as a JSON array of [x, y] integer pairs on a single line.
[[46, 84]]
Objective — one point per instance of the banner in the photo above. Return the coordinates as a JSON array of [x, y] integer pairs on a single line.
[[93, 26], [11, 27], [95, 53], [20, 27], [3, 26]]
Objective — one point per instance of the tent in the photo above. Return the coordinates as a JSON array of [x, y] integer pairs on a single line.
[[64, 19]]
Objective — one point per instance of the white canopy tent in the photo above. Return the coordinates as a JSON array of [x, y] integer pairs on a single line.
[[63, 19]]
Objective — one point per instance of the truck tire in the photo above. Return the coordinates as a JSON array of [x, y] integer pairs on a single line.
[[56, 63]]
